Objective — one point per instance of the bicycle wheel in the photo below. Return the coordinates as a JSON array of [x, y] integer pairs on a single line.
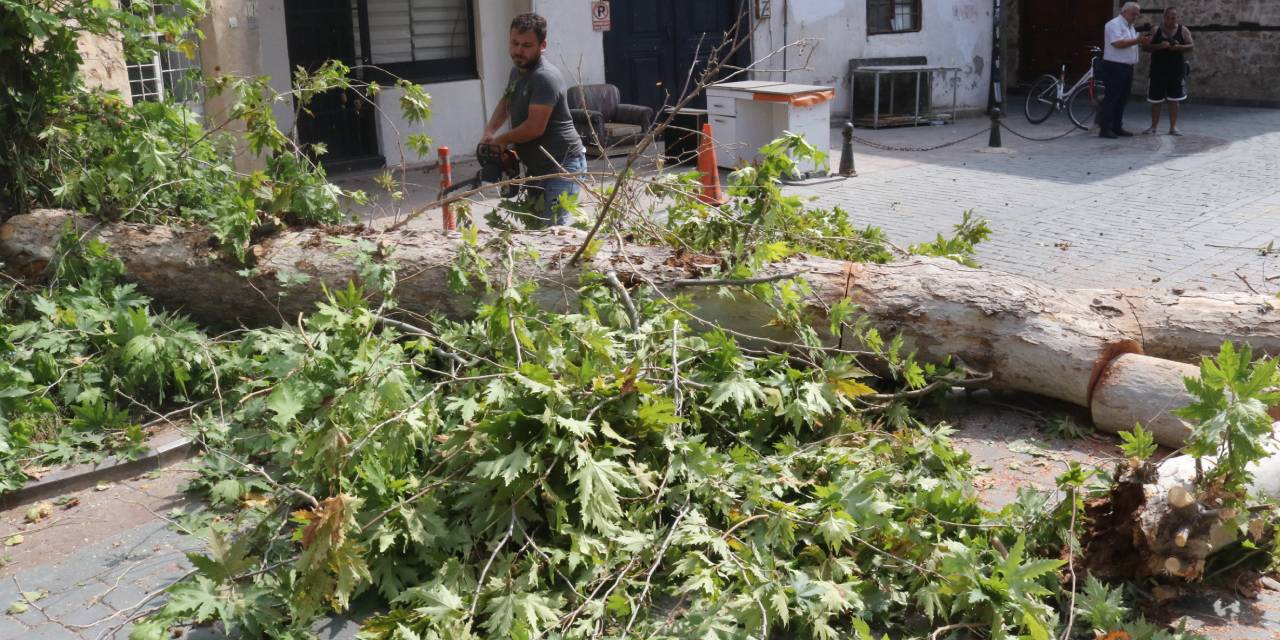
[[1042, 100], [1084, 102]]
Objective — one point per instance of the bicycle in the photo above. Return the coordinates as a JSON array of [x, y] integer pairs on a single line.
[[1081, 101]]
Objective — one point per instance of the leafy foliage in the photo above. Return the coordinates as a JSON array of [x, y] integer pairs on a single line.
[[157, 161], [1138, 443], [519, 474], [968, 233], [40, 71], [528, 473], [79, 354], [1229, 414], [761, 224]]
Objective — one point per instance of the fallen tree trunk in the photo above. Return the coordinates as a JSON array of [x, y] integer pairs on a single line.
[[1032, 338]]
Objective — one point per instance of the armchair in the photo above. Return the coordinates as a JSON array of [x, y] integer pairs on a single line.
[[602, 121]]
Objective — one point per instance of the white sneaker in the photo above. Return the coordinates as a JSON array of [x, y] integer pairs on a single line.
[[1174, 132], [1148, 131]]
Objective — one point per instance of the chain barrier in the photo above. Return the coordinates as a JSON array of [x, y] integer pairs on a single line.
[[1064, 134], [887, 147]]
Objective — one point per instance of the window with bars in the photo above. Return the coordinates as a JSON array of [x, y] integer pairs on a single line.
[[165, 74], [419, 40], [893, 16]]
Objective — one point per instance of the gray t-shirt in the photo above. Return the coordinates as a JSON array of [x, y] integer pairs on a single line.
[[543, 85]]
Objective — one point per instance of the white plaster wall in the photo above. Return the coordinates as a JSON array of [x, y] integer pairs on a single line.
[[572, 45], [459, 109], [454, 122], [955, 33], [274, 47], [493, 18]]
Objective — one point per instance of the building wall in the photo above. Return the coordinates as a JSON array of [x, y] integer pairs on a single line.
[[103, 65], [572, 45], [1237, 55], [459, 109], [1236, 60], [233, 45], [955, 33]]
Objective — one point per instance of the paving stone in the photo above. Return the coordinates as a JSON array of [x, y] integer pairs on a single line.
[[59, 604], [95, 615], [51, 631], [11, 628], [127, 594]]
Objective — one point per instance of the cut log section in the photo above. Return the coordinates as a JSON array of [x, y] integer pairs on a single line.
[[1138, 389], [1062, 344]]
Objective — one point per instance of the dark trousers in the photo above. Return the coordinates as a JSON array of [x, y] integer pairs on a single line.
[[1118, 80]]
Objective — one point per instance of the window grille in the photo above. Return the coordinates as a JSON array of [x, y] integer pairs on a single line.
[[420, 40], [165, 74], [893, 16]]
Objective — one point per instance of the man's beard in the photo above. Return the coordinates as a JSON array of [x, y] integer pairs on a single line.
[[523, 64]]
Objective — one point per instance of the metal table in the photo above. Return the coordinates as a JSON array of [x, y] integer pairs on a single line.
[[882, 70]]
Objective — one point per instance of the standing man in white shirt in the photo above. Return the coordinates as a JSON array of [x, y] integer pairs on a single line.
[[1120, 53]]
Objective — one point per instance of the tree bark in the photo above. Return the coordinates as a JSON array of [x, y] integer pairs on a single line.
[[1062, 344]]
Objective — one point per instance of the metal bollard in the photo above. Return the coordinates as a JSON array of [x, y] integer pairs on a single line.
[[846, 153], [994, 140], [446, 181]]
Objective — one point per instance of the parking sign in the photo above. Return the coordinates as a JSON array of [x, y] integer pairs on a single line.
[[600, 20]]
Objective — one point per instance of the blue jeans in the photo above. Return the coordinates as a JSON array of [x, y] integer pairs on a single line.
[[552, 213]]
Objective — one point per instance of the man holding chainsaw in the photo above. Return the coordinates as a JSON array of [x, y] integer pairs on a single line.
[[541, 128]]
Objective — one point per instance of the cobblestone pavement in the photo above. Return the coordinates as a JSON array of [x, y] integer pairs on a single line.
[[1152, 211], [93, 567], [1192, 212]]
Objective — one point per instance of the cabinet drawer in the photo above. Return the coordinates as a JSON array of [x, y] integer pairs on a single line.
[[721, 123], [724, 131], [722, 106]]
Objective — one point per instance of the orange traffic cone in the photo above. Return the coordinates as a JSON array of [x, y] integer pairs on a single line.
[[709, 168]]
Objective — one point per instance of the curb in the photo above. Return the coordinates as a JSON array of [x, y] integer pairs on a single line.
[[111, 469]]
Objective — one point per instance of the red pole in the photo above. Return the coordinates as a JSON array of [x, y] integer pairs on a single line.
[[446, 181]]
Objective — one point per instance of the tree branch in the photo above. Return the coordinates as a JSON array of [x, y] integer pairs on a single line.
[[697, 282]]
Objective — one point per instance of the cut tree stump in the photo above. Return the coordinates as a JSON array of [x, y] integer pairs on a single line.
[[1073, 345]]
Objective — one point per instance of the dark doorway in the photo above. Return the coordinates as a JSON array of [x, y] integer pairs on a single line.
[[653, 43], [340, 121], [1061, 31]]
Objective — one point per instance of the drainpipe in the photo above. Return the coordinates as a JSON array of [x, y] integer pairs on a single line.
[[785, 41], [995, 99]]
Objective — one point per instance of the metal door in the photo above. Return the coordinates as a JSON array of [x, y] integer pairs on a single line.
[[1060, 31], [653, 44], [343, 122]]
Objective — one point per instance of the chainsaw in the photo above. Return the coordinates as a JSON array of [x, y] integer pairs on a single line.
[[497, 164]]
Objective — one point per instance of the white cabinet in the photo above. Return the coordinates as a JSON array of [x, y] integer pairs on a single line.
[[747, 115]]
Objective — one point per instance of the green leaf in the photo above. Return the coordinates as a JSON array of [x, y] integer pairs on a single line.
[[658, 412], [1138, 443], [508, 467], [147, 630], [196, 599], [743, 391], [227, 491], [286, 403], [599, 482]]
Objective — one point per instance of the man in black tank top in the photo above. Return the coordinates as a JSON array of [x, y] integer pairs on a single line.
[[1168, 82]]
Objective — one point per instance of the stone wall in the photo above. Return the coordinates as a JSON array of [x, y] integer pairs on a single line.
[[103, 65], [1237, 54]]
